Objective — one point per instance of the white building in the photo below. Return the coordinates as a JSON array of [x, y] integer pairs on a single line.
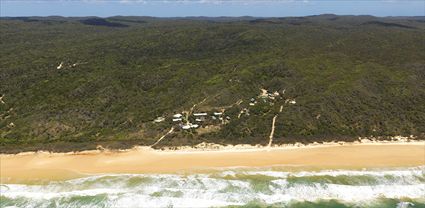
[[190, 126], [290, 101], [60, 66], [200, 114], [178, 115], [159, 119]]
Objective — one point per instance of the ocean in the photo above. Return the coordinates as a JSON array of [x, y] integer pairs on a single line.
[[230, 187]]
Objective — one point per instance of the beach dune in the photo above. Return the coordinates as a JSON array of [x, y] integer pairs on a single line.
[[59, 166]]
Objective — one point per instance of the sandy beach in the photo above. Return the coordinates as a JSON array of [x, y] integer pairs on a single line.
[[59, 166]]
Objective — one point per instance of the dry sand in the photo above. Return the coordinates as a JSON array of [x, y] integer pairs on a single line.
[[59, 166]]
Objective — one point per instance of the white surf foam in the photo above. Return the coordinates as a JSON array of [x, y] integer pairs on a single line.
[[206, 190]]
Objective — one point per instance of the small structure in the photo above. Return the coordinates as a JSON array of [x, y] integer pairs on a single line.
[[200, 114], [245, 110], [218, 113], [1, 99], [11, 125], [177, 119], [159, 119], [290, 101], [178, 115], [60, 66], [189, 126], [252, 102]]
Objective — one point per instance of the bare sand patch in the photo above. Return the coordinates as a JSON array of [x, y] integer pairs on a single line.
[[60, 166]]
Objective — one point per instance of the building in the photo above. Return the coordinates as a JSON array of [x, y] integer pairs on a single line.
[[189, 126], [159, 119], [200, 114], [290, 101], [60, 66], [178, 115]]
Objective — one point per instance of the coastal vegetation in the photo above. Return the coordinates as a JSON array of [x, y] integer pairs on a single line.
[[75, 83]]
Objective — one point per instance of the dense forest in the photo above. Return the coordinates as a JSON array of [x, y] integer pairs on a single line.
[[75, 83]]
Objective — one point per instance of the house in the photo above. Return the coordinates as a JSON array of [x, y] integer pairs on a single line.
[[159, 119], [190, 126], [200, 114], [290, 101], [218, 113], [194, 126], [252, 102], [60, 66], [178, 115], [177, 119]]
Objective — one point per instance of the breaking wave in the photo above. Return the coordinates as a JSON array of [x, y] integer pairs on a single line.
[[229, 188]]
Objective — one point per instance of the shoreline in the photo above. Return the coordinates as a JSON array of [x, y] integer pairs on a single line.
[[36, 166]]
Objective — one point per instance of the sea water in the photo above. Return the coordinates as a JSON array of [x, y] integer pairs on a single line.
[[232, 187]]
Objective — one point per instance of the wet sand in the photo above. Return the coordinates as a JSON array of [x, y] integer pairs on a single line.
[[22, 168]]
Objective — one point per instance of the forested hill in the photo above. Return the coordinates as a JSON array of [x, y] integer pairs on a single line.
[[75, 83]]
